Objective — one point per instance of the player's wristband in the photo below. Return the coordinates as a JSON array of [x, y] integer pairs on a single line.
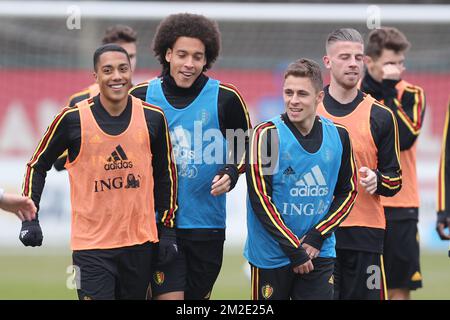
[[1, 194]]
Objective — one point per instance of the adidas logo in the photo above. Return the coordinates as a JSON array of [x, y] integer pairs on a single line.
[[416, 276], [118, 160], [23, 233], [118, 154], [289, 171], [312, 184]]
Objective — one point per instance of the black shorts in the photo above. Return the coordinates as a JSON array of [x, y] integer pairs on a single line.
[[170, 277], [108, 274], [194, 271], [283, 284], [402, 254], [359, 275]]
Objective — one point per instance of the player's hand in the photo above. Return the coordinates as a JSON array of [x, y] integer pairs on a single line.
[[220, 184], [443, 221], [23, 207], [167, 248], [305, 268], [31, 233], [393, 71], [368, 179], [311, 251]]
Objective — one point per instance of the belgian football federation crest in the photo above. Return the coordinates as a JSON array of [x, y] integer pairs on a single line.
[[158, 276], [267, 291]]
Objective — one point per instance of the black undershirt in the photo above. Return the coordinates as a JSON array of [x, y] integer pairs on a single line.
[[310, 142]]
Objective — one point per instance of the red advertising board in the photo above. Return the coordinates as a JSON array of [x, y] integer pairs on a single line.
[[29, 98]]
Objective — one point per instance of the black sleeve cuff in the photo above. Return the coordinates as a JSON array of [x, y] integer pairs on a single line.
[[442, 216], [59, 164], [166, 232], [379, 186], [31, 222], [298, 256], [314, 239], [232, 171]]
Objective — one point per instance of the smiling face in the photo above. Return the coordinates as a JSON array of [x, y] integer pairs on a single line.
[[300, 101], [345, 60], [113, 75], [187, 59]]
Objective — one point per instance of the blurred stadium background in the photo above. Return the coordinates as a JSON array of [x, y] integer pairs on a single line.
[[45, 57]]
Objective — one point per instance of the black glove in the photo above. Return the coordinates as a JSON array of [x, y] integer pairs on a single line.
[[443, 222], [168, 249], [31, 233]]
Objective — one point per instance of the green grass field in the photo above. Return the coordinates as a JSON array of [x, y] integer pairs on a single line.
[[43, 275]]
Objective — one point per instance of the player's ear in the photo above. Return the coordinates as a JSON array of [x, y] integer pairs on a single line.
[[169, 53], [320, 96], [95, 76], [326, 62], [368, 60]]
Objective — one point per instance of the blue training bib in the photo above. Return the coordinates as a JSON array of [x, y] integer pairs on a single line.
[[200, 152], [303, 188]]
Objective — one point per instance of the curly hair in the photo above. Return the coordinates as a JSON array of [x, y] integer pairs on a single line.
[[187, 25]]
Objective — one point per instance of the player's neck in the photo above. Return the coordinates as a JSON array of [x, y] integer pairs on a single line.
[[114, 108], [371, 77], [341, 94], [305, 126]]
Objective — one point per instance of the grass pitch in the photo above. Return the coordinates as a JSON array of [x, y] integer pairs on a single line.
[[44, 274]]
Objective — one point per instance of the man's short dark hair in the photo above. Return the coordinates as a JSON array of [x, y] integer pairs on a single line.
[[119, 33], [306, 68], [187, 25], [109, 47], [343, 34], [386, 38]]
